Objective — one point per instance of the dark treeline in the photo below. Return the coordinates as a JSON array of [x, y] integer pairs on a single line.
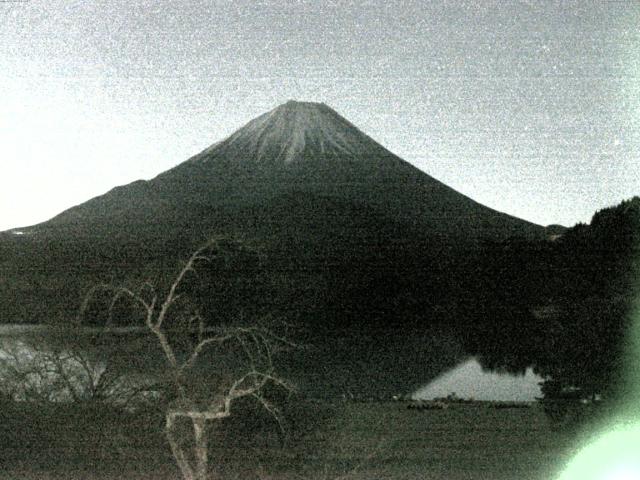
[[562, 306]]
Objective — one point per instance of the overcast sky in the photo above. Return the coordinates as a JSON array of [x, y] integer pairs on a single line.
[[530, 107]]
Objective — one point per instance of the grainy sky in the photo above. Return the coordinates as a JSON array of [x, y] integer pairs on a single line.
[[530, 107]]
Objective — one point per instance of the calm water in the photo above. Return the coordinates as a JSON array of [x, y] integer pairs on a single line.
[[466, 380], [469, 380]]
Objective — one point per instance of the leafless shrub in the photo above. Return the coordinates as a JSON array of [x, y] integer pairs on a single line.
[[239, 359], [36, 371]]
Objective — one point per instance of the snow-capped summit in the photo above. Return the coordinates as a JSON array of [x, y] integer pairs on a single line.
[[295, 131]]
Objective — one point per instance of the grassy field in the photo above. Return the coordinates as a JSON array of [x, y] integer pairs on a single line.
[[347, 440]]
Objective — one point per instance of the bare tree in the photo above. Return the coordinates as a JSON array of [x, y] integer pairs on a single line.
[[240, 356]]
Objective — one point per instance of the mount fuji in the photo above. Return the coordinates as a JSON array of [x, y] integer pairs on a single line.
[[302, 149], [361, 249]]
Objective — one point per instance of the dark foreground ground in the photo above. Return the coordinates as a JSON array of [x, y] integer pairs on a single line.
[[346, 440]]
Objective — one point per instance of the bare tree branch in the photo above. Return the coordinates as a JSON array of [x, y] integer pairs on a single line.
[[172, 296], [257, 344]]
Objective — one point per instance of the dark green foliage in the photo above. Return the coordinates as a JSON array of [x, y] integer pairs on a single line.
[[562, 307]]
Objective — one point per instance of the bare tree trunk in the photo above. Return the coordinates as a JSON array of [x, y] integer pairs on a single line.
[[176, 449], [197, 469], [201, 447]]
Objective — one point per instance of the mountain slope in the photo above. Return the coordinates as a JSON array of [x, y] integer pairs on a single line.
[[304, 148]]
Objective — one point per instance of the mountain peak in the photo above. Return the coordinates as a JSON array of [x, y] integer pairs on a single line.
[[295, 131], [302, 108], [296, 104]]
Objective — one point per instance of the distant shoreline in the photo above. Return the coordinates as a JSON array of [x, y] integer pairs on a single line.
[[14, 329]]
